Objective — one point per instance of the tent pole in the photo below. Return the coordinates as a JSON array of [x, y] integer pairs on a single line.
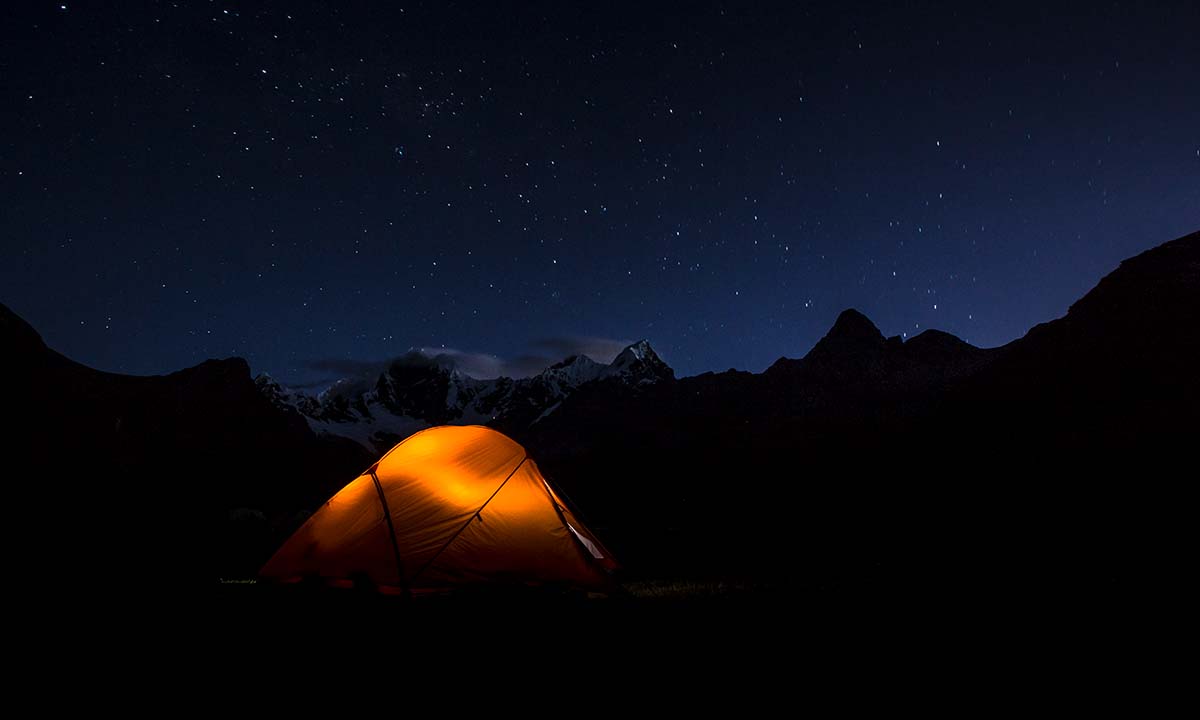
[[473, 516], [387, 515]]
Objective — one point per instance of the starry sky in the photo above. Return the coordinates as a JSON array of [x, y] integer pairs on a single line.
[[307, 183]]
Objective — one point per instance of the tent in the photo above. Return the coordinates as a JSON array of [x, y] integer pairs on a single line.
[[446, 507]]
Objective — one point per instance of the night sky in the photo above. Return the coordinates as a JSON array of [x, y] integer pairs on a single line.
[[302, 184]]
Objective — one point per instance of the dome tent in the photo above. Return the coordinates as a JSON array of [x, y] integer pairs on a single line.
[[446, 507]]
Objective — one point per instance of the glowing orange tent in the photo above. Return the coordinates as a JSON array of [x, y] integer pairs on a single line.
[[447, 506]]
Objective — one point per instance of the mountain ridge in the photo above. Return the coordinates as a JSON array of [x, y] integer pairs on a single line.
[[415, 391]]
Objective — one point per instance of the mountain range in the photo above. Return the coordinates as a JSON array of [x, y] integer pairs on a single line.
[[870, 462], [416, 391]]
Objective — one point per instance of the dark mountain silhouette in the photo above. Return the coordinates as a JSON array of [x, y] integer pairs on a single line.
[[135, 467], [868, 462], [854, 368], [875, 458], [1120, 367]]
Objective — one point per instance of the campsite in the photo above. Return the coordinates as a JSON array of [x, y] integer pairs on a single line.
[[440, 324]]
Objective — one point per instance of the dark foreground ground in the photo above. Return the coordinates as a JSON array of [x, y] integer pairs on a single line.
[[672, 647], [659, 647], [680, 622]]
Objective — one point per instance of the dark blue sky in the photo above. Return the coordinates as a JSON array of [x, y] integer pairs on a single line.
[[298, 183]]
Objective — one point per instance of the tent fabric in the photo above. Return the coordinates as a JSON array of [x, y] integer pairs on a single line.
[[467, 506]]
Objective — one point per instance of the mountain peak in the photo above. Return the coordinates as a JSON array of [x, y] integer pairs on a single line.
[[641, 348], [641, 363], [573, 370], [853, 335], [852, 339], [936, 338], [573, 360], [636, 351], [853, 325]]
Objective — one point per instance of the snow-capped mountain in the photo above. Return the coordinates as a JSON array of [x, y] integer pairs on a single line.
[[416, 391]]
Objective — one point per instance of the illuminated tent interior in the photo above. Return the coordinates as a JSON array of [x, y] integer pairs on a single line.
[[447, 507]]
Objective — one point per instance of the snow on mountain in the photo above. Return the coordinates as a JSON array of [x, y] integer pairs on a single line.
[[639, 364], [574, 371], [416, 391]]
